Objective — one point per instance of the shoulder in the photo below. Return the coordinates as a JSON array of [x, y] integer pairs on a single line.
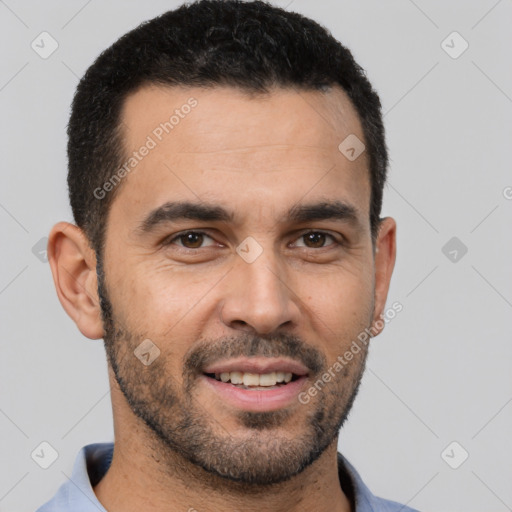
[[363, 500], [77, 494]]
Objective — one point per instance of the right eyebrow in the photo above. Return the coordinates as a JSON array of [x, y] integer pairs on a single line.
[[173, 211]]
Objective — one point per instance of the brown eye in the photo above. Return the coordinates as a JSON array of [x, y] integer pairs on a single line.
[[316, 239], [190, 239]]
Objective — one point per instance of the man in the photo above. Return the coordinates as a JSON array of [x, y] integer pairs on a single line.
[[226, 167]]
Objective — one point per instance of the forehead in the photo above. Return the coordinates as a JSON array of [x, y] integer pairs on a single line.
[[247, 150], [292, 115]]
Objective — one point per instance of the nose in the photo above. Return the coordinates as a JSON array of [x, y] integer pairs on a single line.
[[260, 297]]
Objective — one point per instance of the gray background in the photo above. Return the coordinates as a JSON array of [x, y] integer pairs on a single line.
[[439, 373]]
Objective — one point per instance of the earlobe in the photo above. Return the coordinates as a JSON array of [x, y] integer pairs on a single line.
[[73, 265], [385, 255]]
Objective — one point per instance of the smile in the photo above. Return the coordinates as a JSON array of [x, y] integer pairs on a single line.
[[246, 380], [256, 384]]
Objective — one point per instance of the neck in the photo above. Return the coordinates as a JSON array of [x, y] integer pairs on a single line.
[[142, 479]]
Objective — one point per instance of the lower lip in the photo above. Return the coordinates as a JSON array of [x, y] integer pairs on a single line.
[[257, 400]]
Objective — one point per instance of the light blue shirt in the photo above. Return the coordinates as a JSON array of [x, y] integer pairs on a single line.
[[93, 461]]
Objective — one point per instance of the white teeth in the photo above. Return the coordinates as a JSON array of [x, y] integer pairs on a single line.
[[254, 379], [251, 379], [268, 379], [236, 377]]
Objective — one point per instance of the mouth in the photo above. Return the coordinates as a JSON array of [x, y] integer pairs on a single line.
[[256, 384], [255, 381]]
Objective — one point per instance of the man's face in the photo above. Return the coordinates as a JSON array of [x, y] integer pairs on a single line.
[[277, 289]]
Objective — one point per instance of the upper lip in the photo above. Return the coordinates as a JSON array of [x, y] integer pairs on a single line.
[[259, 365]]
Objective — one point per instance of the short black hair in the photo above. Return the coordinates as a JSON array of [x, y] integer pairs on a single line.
[[252, 46]]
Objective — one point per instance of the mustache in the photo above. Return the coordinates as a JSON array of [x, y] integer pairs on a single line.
[[284, 345]]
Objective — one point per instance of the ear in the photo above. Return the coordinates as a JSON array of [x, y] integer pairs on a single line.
[[385, 254], [73, 264]]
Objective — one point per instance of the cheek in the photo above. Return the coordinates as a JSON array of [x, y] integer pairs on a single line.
[[340, 308], [160, 302]]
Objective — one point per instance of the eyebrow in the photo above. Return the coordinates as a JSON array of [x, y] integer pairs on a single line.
[[204, 212]]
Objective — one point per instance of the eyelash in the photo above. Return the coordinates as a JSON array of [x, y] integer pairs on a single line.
[[170, 241]]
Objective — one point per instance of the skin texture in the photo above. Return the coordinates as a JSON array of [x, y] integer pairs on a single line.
[[178, 445]]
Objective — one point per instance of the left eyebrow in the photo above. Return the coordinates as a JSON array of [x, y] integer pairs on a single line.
[[203, 212], [326, 210]]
